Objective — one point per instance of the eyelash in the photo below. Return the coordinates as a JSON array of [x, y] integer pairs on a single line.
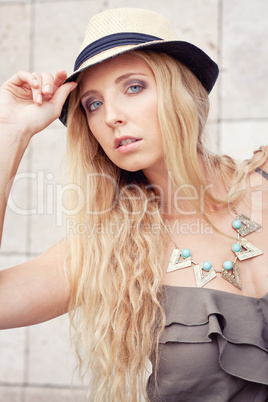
[[89, 105], [141, 85]]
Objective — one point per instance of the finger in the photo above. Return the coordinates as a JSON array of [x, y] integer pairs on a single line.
[[23, 77], [60, 77], [62, 93], [37, 90], [47, 83], [36, 83]]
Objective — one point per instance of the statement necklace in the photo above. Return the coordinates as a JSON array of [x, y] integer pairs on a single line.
[[205, 272]]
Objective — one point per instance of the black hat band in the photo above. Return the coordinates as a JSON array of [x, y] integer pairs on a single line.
[[110, 41]]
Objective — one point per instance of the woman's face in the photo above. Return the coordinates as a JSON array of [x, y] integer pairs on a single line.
[[120, 100]]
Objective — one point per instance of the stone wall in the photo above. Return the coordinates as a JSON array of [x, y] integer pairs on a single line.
[[42, 35]]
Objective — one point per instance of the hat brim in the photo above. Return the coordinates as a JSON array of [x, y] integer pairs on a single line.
[[201, 65]]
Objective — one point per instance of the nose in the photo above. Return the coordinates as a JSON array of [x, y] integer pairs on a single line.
[[114, 115]]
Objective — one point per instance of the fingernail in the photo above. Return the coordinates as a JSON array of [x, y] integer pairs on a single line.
[[48, 89], [39, 99], [35, 82]]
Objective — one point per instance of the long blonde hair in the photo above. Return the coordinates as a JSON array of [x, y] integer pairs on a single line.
[[116, 264]]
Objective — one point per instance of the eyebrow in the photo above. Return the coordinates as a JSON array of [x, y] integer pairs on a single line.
[[124, 76], [117, 81]]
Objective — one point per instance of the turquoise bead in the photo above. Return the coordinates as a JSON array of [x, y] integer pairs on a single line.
[[206, 265], [186, 253], [236, 247], [237, 224], [228, 265]]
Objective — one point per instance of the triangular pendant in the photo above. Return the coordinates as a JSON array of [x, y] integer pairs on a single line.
[[248, 250], [232, 276], [177, 261], [203, 277], [248, 226]]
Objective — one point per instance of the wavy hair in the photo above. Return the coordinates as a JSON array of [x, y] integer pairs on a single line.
[[115, 265]]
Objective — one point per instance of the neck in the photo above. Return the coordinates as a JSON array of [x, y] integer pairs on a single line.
[[173, 203]]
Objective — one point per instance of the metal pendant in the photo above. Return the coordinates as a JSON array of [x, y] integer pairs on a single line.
[[177, 261], [232, 276], [203, 277], [248, 226], [248, 250]]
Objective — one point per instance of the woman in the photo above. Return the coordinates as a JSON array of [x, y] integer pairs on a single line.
[[138, 284]]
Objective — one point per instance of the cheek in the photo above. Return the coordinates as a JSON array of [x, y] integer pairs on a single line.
[[152, 109], [95, 128], [151, 115]]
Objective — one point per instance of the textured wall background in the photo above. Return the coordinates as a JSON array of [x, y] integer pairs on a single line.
[[38, 35]]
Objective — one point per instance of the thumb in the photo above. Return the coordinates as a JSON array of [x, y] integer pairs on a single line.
[[62, 93]]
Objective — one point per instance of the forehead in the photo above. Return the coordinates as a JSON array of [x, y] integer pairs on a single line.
[[127, 62]]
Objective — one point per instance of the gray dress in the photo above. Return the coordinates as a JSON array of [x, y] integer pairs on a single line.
[[214, 348]]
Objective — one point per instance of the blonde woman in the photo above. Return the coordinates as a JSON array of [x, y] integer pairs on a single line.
[[141, 284]]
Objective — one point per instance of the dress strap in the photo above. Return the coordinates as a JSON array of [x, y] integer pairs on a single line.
[[262, 172]]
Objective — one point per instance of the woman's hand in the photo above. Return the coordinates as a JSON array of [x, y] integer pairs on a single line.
[[30, 102]]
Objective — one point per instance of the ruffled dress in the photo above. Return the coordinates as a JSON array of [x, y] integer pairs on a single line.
[[214, 348]]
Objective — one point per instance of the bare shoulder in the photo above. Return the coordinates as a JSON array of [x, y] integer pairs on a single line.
[[35, 291]]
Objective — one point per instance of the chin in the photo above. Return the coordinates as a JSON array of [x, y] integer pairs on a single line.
[[138, 163], [131, 167]]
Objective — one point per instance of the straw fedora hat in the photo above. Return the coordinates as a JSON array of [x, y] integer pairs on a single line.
[[116, 31]]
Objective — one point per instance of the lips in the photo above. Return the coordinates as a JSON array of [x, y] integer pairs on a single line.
[[119, 142]]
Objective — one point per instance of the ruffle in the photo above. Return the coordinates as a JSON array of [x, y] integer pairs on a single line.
[[239, 323]]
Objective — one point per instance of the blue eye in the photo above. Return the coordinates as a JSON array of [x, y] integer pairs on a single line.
[[94, 105], [134, 89]]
